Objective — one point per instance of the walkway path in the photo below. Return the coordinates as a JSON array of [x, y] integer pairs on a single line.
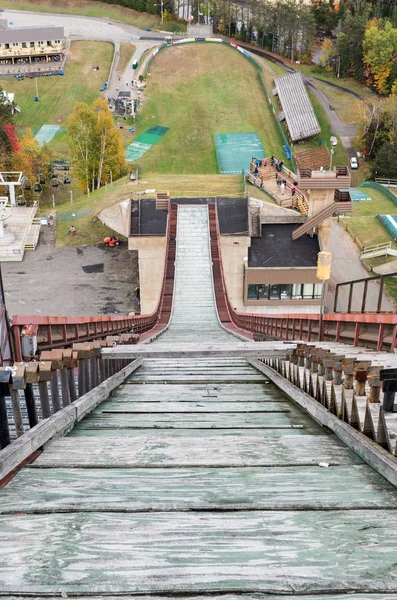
[[197, 477], [346, 266]]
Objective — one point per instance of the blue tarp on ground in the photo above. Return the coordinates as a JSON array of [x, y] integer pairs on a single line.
[[46, 133], [357, 194], [234, 151]]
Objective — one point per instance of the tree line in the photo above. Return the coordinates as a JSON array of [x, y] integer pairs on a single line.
[[20, 151]]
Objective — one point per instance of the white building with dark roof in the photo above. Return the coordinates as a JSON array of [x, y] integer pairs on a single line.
[[21, 45]]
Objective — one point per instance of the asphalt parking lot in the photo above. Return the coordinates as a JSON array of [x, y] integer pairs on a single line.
[[81, 281]]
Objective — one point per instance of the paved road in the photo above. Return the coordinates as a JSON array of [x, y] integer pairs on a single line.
[[88, 28], [76, 26], [346, 266]]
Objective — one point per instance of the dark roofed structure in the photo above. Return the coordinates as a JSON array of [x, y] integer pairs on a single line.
[[233, 216], [296, 106], [147, 220], [276, 248]]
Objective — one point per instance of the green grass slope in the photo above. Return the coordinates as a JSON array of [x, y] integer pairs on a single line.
[[197, 91]]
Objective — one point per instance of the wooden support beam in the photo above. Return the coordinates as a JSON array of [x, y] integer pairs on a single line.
[[60, 423]]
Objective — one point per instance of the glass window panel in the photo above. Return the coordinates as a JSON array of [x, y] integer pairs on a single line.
[[252, 292], [308, 290], [263, 292], [274, 292], [317, 290], [285, 291], [297, 291]]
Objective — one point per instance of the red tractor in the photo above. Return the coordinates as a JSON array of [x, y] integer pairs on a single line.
[[111, 241]]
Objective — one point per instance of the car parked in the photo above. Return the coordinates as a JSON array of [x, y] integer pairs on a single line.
[[353, 163]]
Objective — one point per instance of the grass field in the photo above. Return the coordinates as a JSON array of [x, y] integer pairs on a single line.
[[88, 8], [91, 231], [369, 231], [379, 204], [197, 91], [347, 82], [344, 103], [58, 94], [126, 54]]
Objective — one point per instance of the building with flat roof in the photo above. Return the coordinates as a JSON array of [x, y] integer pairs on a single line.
[[30, 45]]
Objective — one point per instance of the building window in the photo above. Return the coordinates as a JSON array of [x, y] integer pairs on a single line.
[[23, 44], [285, 291], [15, 43], [32, 44], [7, 46]]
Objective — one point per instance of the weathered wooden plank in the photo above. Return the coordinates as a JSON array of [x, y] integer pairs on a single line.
[[273, 552], [200, 350], [195, 421], [220, 392], [193, 407], [171, 448], [244, 596], [54, 490], [181, 378], [373, 454]]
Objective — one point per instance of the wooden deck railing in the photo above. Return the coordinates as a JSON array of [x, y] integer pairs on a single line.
[[42, 399]]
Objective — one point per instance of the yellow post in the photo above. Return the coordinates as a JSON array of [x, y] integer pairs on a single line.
[[324, 260]]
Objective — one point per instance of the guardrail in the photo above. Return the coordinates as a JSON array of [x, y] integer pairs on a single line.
[[387, 182], [349, 230]]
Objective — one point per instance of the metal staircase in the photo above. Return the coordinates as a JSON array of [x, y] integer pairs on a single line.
[[329, 211]]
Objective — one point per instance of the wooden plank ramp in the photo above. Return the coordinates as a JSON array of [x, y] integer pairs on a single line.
[[198, 478], [126, 505]]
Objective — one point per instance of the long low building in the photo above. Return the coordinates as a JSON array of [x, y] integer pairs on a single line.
[[297, 110], [20, 45]]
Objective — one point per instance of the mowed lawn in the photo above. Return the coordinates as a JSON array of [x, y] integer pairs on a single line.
[[363, 221], [379, 204], [198, 90], [58, 94]]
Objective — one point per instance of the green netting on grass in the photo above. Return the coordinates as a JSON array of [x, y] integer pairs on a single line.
[[45, 134], [234, 151], [75, 214], [158, 130], [356, 194], [144, 142]]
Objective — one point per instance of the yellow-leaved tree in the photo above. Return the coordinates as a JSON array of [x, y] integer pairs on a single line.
[[95, 145]]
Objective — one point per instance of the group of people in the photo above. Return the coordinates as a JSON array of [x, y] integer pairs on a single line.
[[277, 163], [279, 167], [283, 185], [259, 163]]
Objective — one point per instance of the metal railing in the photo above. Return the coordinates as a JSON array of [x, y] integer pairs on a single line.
[[376, 330], [365, 281], [58, 332]]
